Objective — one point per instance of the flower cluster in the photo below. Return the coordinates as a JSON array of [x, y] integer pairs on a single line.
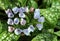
[[12, 20]]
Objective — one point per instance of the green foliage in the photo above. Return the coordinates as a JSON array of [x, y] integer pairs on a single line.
[[32, 4], [4, 35], [11, 3], [45, 37], [0, 27], [57, 33], [51, 14], [47, 3]]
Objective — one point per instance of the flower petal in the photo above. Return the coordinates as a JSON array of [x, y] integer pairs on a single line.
[[21, 10], [15, 10], [37, 14], [16, 21], [17, 31], [10, 15], [41, 19], [26, 32], [39, 26], [8, 11], [10, 22], [21, 15], [22, 22], [26, 9], [31, 28]]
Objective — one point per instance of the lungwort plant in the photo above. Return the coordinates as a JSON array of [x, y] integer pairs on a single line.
[[29, 20]]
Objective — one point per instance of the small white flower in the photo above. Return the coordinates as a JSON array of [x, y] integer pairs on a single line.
[[26, 32], [16, 21], [22, 22], [17, 31], [21, 10], [10, 22], [26, 9], [31, 28], [39, 26], [10, 29], [8, 11], [10, 15], [15, 10], [41, 19], [21, 15]]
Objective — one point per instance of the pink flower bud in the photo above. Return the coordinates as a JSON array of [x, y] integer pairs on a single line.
[[31, 9], [11, 29], [16, 21]]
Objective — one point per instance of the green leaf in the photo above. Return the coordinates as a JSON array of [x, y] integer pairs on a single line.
[[47, 2], [50, 15], [8, 4], [23, 2], [55, 38], [58, 24], [3, 26], [51, 30], [57, 33], [0, 27], [56, 5], [43, 37], [5, 36], [32, 3], [58, 40]]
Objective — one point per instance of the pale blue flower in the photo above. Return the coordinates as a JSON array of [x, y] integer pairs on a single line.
[[37, 14], [41, 19], [15, 10], [17, 31], [16, 21], [39, 26], [21, 15], [10, 15], [31, 28], [22, 22], [26, 32], [10, 22], [21, 10], [8, 11]]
